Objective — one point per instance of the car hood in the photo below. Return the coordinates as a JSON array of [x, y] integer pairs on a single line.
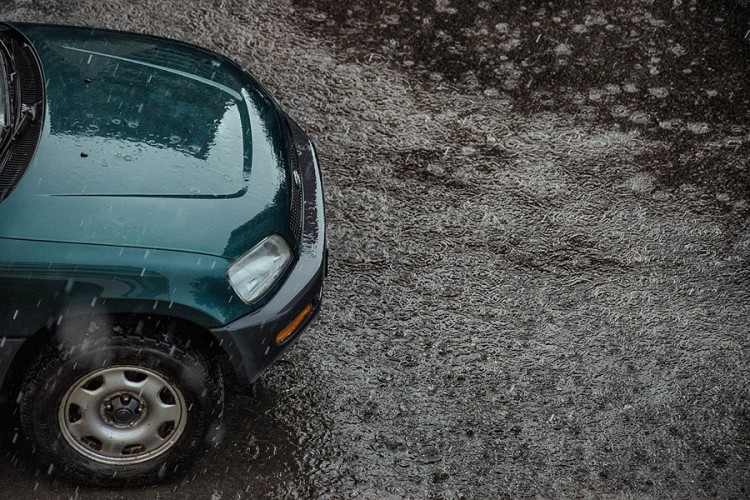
[[151, 143]]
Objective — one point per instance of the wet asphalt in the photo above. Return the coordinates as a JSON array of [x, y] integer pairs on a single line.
[[540, 274]]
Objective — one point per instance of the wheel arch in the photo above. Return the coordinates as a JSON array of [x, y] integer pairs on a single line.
[[76, 326]]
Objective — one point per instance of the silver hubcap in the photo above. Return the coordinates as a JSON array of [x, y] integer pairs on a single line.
[[122, 415]]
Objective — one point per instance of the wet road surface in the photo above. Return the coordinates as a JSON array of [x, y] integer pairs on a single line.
[[540, 250]]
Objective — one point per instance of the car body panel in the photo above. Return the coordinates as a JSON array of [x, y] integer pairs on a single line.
[[86, 279], [136, 126]]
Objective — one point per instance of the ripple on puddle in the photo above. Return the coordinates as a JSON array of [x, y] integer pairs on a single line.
[[658, 92], [595, 94], [619, 111], [639, 117], [563, 50], [674, 124], [641, 183], [698, 128]]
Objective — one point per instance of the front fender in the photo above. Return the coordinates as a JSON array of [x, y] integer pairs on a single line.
[[45, 282]]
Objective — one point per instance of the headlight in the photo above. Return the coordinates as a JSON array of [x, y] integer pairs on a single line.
[[255, 272]]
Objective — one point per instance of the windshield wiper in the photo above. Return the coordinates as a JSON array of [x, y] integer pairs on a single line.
[[27, 116]]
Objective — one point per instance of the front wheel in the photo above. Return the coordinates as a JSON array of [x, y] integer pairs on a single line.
[[121, 410]]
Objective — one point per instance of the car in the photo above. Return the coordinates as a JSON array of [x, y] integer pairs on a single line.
[[161, 228]]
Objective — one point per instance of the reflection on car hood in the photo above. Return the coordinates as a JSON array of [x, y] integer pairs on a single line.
[[149, 142]]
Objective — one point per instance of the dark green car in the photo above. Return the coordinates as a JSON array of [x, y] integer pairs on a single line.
[[161, 223]]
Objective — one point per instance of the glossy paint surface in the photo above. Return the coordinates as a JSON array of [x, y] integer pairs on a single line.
[[96, 279], [149, 143], [159, 164]]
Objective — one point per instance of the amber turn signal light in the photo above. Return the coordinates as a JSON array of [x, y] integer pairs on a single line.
[[289, 329]]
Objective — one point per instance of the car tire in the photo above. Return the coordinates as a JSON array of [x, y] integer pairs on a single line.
[[119, 409]]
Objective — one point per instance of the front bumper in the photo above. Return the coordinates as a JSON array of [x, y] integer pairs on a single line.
[[250, 342]]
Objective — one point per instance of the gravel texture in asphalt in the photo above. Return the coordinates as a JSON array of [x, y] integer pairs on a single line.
[[540, 249]]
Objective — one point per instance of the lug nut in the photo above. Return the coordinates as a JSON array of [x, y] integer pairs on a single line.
[[125, 399], [108, 407]]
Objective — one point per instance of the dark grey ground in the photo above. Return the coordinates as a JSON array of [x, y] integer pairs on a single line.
[[540, 276]]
